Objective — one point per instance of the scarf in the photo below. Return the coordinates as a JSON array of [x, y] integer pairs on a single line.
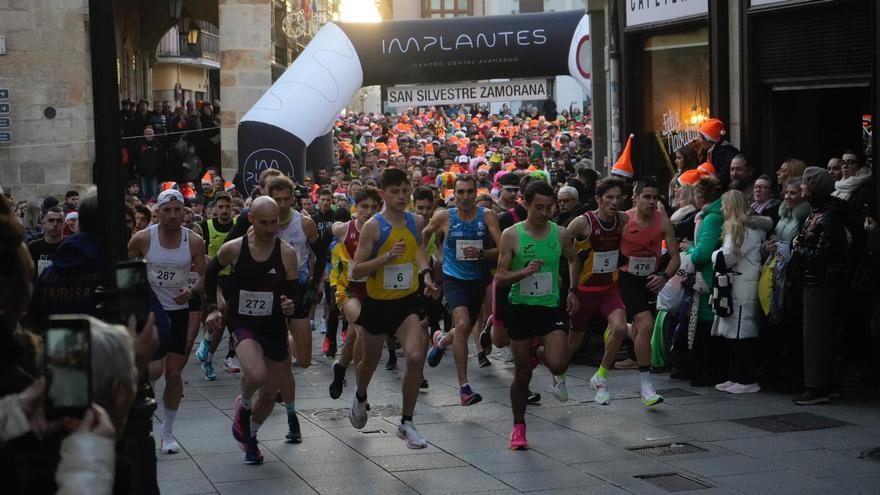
[[845, 188], [682, 213]]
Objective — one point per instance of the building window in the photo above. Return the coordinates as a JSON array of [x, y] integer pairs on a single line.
[[529, 6], [676, 84], [447, 8]]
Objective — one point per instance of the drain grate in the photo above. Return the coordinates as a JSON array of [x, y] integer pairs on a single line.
[[872, 455], [674, 482], [667, 449], [676, 392], [785, 423], [330, 414]]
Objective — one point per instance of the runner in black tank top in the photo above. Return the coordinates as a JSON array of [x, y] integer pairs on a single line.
[[255, 276]]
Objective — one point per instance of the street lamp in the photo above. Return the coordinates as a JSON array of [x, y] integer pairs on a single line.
[[192, 37]]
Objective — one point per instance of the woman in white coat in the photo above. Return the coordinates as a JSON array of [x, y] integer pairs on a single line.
[[741, 245]]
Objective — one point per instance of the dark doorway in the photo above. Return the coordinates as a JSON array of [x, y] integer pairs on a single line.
[[814, 124]]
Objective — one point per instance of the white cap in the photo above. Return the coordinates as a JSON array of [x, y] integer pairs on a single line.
[[463, 159], [168, 196]]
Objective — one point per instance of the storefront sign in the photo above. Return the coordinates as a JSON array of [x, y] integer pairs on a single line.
[[444, 94], [642, 12], [4, 93], [5, 137], [5, 122], [4, 108], [675, 134]]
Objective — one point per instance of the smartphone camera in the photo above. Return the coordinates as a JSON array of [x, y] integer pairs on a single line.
[[67, 366], [132, 289]]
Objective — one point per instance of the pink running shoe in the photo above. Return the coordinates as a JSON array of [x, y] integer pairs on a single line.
[[518, 437]]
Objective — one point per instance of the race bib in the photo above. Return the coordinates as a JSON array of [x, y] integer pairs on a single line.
[[42, 265], [253, 303], [605, 261], [351, 278], [192, 278], [463, 243], [538, 284], [642, 266], [398, 277], [170, 276]]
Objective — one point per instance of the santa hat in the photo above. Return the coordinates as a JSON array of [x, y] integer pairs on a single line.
[[189, 191], [623, 166], [712, 130], [228, 186], [206, 179], [168, 185], [429, 149], [707, 168], [691, 177]]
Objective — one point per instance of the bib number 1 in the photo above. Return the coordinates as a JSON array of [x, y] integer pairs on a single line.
[[536, 285]]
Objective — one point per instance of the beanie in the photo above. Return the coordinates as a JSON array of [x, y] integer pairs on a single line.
[[819, 181]]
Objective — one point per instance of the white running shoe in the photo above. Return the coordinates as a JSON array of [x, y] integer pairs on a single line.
[[169, 444], [739, 388], [650, 396], [358, 413], [724, 386], [231, 365], [600, 385], [414, 440], [559, 389]]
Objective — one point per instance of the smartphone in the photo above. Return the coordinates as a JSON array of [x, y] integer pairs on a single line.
[[67, 366], [132, 289]]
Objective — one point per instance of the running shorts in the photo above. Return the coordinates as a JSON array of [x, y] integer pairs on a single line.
[[383, 317], [500, 304], [465, 293], [274, 346], [604, 302], [302, 310], [353, 290], [635, 294], [526, 321], [179, 327]]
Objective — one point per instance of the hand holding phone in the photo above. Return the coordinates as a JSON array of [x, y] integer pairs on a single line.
[[132, 288], [68, 366]]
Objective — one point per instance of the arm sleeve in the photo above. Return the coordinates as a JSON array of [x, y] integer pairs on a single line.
[[214, 268], [707, 240], [240, 228]]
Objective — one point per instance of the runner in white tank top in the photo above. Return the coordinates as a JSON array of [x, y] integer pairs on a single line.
[[294, 235], [168, 266]]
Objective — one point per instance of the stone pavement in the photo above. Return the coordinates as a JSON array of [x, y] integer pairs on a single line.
[[577, 447]]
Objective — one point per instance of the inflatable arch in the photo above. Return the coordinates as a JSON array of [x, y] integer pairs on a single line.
[[304, 102]]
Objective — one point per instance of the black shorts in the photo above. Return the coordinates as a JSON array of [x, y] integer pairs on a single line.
[[274, 346], [525, 321], [500, 304], [302, 311], [179, 328], [465, 293], [195, 303], [635, 294], [383, 317]]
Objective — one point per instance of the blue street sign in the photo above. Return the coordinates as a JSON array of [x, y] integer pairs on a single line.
[[4, 93], [4, 107]]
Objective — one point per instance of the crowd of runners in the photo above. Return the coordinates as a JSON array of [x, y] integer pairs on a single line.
[[442, 232]]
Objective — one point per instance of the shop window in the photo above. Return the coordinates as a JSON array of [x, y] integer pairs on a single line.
[[676, 85], [529, 6], [447, 8]]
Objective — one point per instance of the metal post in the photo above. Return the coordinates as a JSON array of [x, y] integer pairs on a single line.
[[614, 82], [107, 170], [875, 117]]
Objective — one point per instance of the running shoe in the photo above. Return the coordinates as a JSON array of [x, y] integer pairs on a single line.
[[649, 396], [391, 365], [241, 424], [724, 386], [483, 360], [518, 437], [423, 385], [358, 413], [468, 396], [414, 440], [328, 348], [203, 350], [231, 365], [739, 388], [486, 337], [294, 434], [436, 353], [169, 444], [338, 382], [534, 397], [559, 389], [252, 453], [208, 368], [600, 385]]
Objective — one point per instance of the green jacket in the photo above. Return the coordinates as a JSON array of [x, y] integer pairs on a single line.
[[707, 241]]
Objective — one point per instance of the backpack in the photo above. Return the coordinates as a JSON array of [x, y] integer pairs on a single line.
[[721, 296]]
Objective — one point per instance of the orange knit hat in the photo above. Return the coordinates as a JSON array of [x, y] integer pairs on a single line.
[[623, 166]]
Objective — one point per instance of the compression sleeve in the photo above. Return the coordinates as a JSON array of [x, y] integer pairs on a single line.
[[320, 248], [211, 272], [290, 288]]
